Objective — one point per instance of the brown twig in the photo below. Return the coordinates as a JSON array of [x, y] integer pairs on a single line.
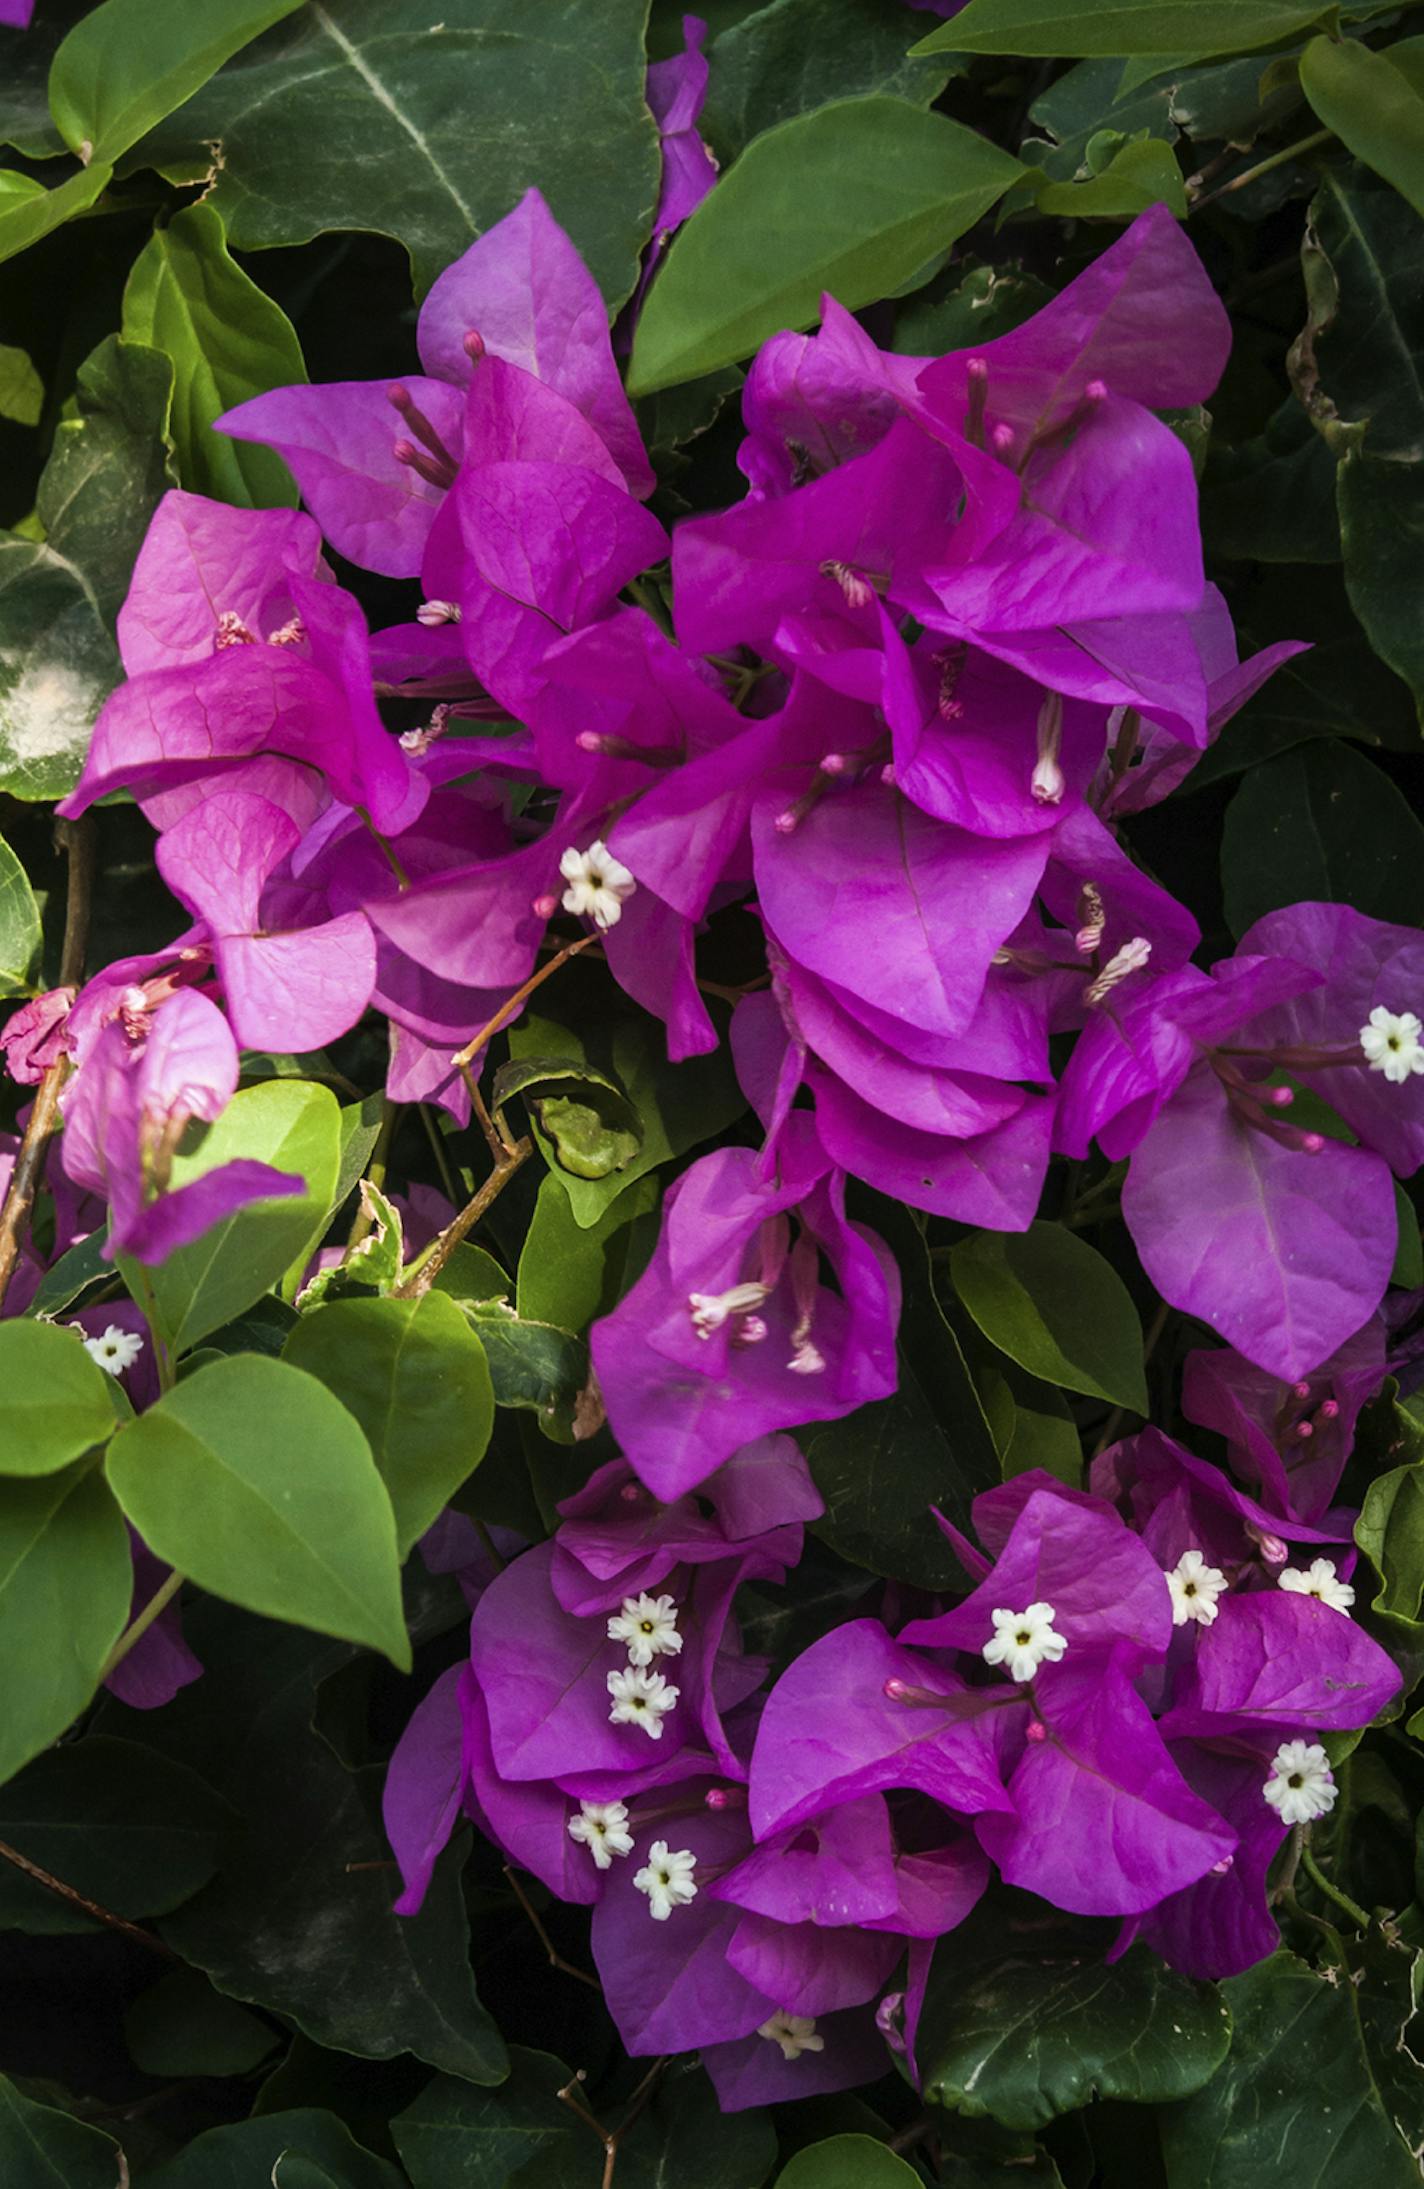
[[508, 1009], [426, 1267], [611, 2139], [556, 1959], [77, 837], [80, 1900]]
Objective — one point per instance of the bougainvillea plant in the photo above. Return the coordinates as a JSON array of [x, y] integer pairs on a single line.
[[712, 928]]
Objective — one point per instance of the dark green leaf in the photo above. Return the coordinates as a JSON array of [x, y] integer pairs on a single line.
[[413, 1374], [227, 340], [1295, 2099], [856, 197], [1141, 172], [679, 1104], [65, 1582], [123, 1825], [1390, 1529], [181, 2026], [377, 114], [42, 2148], [244, 2155], [1372, 107], [1273, 498], [1024, 2039], [254, 1481], [130, 62], [795, 55], [1051, 1302], [1321, 823], [59, 594], [19, 924], [290, 1124], [74, 1272], [54, 1400], [531, 1364], [966, 308], [1063, 28], [846, 2162]]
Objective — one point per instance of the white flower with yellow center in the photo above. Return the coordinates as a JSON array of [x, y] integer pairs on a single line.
[[795, 2033], [1392, 1044], [115, 1351], [667, 1879], [1318, 1580], [602, 1827], [1300, 1787], [598, 883], [1023, 1640], [648, 1627], [1195, 1586], [641, 1698]]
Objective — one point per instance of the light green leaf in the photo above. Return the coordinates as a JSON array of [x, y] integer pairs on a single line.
[[413, 1374], [19, 924], [290, 1124], [59, 595], [29, 211], [1372, 106], [1138, 175], [21, 388], [795, 55], [227, 340], [1064, 29], [1022, 2037], [253, 1480], [1052, 1303], [65, 1582], [131, 62], [54, 1400], [42, 2148], [846, 2162], [1321, 824], [583, 1114], [1295, 2101], [428, 125], [568, 1275], [1390, 1529], [855, 198]]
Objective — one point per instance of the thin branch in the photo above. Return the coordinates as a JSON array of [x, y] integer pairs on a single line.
[[157, 1604], [1322, 1884], [508, 1009], [556, 1959], [424, 1270], [1264, 167], [82, 1901], [77, 837]]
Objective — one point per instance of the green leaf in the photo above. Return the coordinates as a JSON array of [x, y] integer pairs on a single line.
[[846, 2162], [131, 62], [679, 1104], [74, 1272], [227, 340], [128, 1828], [1390, 1529], [1372, 106], [378, 114], [181, 2026], [1062, 29], [373, 1264], [290, 1124], [592, 1133], [1051, 1302], [1408, 1270], [21, 388], [65, 1582], [54, 1400], [299, 1918], [42, 2148], [247, 2155], [855, 198], [1356, 368], [1139, 174], [534, 1365], [795, 55], [59, 595], [568, 1275], [1321, 823], [19, 924], [1024, 2038], [28, 211], [254, 1481], [1295, 2100], [413, 1374]]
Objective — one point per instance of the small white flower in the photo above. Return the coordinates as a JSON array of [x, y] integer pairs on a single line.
[[115, 1351], [1023, 1640], [432, 613], [648, 1625], [602, 1827], [1132, 958], [795, 2033], [598, 883], [1392, 1044], [641, 1698], [1300, 1787], [666, 1879], [1195, 1586], [709, 1310], [1318, 1579]]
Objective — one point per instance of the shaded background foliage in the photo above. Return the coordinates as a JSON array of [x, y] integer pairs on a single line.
[[267, 189]]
